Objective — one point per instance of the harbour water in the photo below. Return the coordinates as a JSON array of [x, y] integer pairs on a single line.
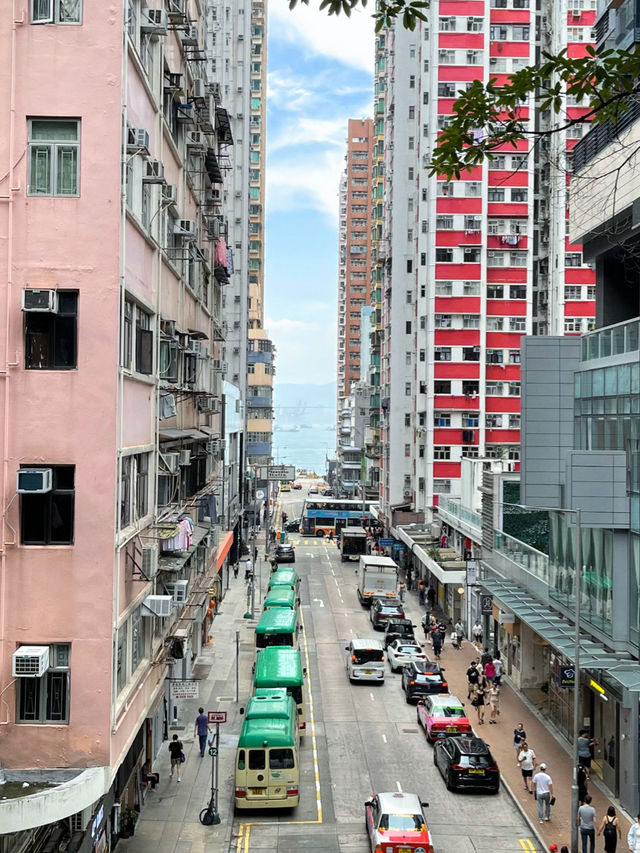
[[307, 447]]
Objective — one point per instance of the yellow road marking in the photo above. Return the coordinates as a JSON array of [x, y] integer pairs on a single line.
[[527, 845]]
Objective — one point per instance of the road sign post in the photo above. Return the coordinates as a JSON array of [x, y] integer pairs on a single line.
[[210, 815]]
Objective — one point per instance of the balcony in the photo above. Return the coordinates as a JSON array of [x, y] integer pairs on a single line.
[[602, 135]]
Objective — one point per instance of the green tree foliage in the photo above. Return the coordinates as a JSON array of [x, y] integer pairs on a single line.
[[410, 11]]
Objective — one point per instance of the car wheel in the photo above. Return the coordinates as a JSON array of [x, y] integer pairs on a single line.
[[419, 721], [319, 533], [435, 756], [449, 781], [408, 698]]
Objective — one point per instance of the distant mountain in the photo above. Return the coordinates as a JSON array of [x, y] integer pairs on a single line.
[[305, 404]]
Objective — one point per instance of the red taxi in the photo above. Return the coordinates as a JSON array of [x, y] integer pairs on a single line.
[[443, 716], [396, 823]]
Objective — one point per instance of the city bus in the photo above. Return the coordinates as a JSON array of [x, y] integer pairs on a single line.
[[277, 666], [266, 770], [280, 596], [327, 516], [277, 627], [353, 543], [284, 578]]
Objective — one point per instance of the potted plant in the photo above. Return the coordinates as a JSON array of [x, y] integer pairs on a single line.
[[128, 822]]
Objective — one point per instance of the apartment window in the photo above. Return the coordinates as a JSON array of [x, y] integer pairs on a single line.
[[442, 487], [517, 259], [495, 291], [470, 321], [514, 389], [411, 143], [51, 340], [470, 420], [424, 226], [475, 25], [407, 420], [513, 453], [134, 488], [499, 162], [519, 194], [447, 25], [138, 358], [409, 296], [573, 324], [441, 452], [412, 81], [514, 356], [471, 256], [495, 324], [471, 223], [54, 157], [443, 321], [48, 519], [407, 389], [441, 354], [444, 223], [469, 452], [410, 173], [442, 386], [495, 194], [496, 259], [472, 189], [407, 450], [470, 389], [517, 324], [471, 288], [444, 288], [409, 234], [517, 291], [56, 11], [46, 699], [471, 353], [520, 33], [407, 358], [591, 292], [409, 266], [493, 389], [493, 421], [446, 57], [518, 161], [442, 419], [407, 327], [514, 421], [446, 90], [498, 33], [444, 255], [422, 355], [573, 259], [494, 356]]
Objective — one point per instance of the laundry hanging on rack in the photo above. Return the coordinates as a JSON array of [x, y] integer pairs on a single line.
[[182, 539]]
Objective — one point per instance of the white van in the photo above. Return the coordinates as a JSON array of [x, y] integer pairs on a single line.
[[365, 660]]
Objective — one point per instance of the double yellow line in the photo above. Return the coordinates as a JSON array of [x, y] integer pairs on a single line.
[[527, 845], [244, 831]]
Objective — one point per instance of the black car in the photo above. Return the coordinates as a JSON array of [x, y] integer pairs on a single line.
[[467, 762], [284, 554], [399, 629], [383, 609], [422, 679], [292, 526]]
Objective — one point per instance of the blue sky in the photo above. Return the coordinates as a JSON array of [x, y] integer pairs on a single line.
[[320, 74]]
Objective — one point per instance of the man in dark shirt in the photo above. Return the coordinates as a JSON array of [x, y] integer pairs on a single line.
[[202, 729], [472, 677]]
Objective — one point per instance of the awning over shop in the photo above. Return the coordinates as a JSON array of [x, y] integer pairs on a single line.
[[454, 575], [212, 167], [224, 548]]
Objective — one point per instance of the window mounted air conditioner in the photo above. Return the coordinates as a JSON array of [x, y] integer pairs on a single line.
[[171, 462], [137, 141], [157, 605], [149, 560], [40, 300], [33, 481], [199, 90], [184, 458], [154, 22], [170, 194], [174, 82], [189, 36], [154, 172], [213, 228], [186, 228], [30, 661], [195, 346], [196, 140], [206, 404], [178, 591]]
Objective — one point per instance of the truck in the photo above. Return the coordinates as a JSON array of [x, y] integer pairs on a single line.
[[378, 577], [353, 543]]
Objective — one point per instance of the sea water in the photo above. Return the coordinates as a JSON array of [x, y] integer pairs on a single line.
[[305, 448]]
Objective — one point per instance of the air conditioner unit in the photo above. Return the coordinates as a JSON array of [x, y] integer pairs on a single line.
[[30, 661], [199, 91], [154, 173], [205, 403], [185, 228], [212, 447], [189, 36], [178, 591], [196, 140], [218, 364], [171, 462], [33, 481], [137, 140], [40, 300], [184, 458], [174, 82], [197, 347], [170, 194], [576, 14], [213, 228], [154, 22], [157, 605], [240, 116], [149, 561]]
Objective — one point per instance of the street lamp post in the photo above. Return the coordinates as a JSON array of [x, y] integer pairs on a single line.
[[576, 655]]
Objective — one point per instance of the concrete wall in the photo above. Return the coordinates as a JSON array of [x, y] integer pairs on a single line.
[[596, 483]]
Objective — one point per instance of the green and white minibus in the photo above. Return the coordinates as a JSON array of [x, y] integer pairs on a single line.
[[278, 666], [277, 627]]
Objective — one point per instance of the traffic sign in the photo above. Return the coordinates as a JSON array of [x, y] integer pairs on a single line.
[[281, 472], [486, 605], [213, 751], [385, 542], [217, 716]]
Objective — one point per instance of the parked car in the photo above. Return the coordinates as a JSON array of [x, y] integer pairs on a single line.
[[467, 762], [327, 493], [292, 526], [296, 486], [285, 554], [443, 716], [396, 821], [399, 629], [313, 490], [400, 653], [383, 609], [420, 679]]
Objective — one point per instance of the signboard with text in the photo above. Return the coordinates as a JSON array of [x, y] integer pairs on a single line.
[[281, 472], [184, 690], [217, 716], [385, 542], [567, 676], [486, 605]]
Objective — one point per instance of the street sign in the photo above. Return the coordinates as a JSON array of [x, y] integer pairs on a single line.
[[217, 716], [184, 690], [281, 472], [567, 677], [213, 751], [472, 572], [486, 605], [398, 546], [385, 542]]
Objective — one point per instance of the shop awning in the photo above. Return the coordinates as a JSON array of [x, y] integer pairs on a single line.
[[453, 575], [212, 167], [223, 548]]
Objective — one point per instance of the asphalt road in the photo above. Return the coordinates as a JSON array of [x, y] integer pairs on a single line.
[[366, 739]]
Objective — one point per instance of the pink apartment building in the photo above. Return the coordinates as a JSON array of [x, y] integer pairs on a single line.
[[112, 252]]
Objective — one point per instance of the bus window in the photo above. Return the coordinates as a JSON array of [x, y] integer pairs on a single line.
[[256, 759], [281, 759], [241, 759]]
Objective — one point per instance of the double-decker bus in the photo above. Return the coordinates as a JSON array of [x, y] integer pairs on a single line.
[[267, 774], [327, 516], [278, 666]]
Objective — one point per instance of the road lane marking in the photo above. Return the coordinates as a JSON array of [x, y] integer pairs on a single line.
[[371, 695], [384, 738], [527, 845], [399, 786], [320, 600]]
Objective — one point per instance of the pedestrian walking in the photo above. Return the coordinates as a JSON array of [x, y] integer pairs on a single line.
[[585, 746], [202, 729], [422, 589], [585, 819], [610, 829], [519, 738], [442, 630], [478, 700], [489, 671], [409, 579], [499, 669], [581, 775], [527, 764], [431, 597], [402, 590], [486, 658], [177, 756], [436, 642], [477, 633], [473, 677], [494, 703], [248, 569], [543, 787], [459, 629], [236, 569], [633, 836]]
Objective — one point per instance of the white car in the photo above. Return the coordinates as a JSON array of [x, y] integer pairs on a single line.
[[399, 652]]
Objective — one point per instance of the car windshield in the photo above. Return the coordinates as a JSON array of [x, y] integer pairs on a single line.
[[423, 677], [408, 650], [389, 608], [431, 668], [447, 711], [404, 822], [367, 655], [473, 760]]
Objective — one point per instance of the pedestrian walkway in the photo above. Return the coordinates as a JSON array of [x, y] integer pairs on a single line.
[[548, 749], [169, 822]]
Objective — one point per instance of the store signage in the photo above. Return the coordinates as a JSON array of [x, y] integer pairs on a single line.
[[472, 572], [486, 605], [595, 686], [184, 690], [281, 472], [385, 542], [217, 716], [398, 546], [567, 676]]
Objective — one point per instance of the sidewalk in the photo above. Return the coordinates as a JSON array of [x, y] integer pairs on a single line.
[[169, 820], [547, 748]]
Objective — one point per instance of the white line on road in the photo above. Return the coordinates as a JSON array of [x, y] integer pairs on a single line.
[[371, 695], [384, 738], [399, 787], [333, 573]]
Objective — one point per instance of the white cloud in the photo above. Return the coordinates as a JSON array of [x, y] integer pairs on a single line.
[[306, 351], [310, 182], [348, 40], [311, 131]]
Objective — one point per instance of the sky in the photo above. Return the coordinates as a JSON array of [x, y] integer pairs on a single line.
[[320, 74]]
